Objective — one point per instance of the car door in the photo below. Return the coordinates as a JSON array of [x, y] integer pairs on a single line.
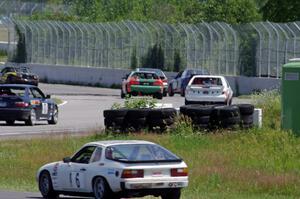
[[76, 171], [176, 80], [40, 103]]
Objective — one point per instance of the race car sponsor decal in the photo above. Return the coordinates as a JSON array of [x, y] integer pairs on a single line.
[[55, 168], [110, 171], [77, 180], [44, 108]]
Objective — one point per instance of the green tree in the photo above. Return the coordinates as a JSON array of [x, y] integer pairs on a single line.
[[281, 11]]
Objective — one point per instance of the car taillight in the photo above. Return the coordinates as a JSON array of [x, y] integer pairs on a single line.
[[179, 172], [21, 104], [134, 81], [132, 173], [158, 83]]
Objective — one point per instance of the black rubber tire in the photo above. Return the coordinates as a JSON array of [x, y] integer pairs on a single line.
[[186, 102], [32, 118], [46, 178], [246, 109], [105, 192], [162, 113], [112, 122], [136, 113], [231, 121], [158, 95], [184, 109], [197, 111], [170, 91], [115, 113], [10, 122], [201, 120], [246, 119], [226, 111], [159, 122], [173, 194], [122, 94], [54, 117]]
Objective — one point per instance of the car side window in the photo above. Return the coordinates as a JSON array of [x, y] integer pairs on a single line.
[[36, 93], [84, 155], [96, 155], [179, 75]]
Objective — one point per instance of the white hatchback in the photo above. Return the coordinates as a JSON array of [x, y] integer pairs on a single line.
[[116, 169], [208, 89]]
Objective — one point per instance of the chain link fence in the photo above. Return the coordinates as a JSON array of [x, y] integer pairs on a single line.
[[255, 49]]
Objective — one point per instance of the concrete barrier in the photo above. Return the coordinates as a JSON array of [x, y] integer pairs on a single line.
[[112, 77]]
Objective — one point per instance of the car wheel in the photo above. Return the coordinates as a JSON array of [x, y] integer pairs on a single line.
[[159, 95], [10, 122], [174, 194], [170, 91], [45, 186], [32, 118], [122, 94], [101, 189], [54, 117], [182, 92]]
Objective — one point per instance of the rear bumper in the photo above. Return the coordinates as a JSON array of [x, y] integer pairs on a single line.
[[14, 114], [146, 89], [156, 188], [203, 98]]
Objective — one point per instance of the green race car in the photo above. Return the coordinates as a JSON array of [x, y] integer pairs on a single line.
[[142, 83]]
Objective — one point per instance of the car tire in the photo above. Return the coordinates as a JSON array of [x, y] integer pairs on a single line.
[[182, 92], [115, 113], [46, 187], [173, 194], [32, 118], [158, 95], [246, 109], [122, 94], [170, 91], [186, 102], [54, 117], [10, 122], [101, 189]]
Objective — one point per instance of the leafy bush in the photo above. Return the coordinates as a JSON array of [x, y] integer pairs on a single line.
[[144, 102]]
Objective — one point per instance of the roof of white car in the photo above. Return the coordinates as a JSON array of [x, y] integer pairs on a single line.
[[118, 142], [209, 76]]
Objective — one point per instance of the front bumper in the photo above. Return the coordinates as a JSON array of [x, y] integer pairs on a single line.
[[145, 89], [14, 114]]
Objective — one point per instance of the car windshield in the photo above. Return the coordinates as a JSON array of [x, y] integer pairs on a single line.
[[157, 71], [12, 91], [196, 72], [145, 75], [207, 81], [22, 70], [133, 153]]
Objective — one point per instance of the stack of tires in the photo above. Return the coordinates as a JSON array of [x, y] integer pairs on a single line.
[[115, 119], [199, 114], [136, 119], [246, 112], [225, 117], [161, 118], [125, 120]]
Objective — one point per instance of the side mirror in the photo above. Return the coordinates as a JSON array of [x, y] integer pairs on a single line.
[[66, 159], [48, 96]]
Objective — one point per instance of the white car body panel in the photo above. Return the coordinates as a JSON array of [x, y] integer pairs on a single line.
[[77, 177], [214, 94]]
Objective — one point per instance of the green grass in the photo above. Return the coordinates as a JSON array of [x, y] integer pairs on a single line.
[[255, 163]]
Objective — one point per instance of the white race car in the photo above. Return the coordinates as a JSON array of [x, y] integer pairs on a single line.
[[208, 89], [115, 169]]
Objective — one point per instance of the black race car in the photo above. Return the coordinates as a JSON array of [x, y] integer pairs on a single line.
[[26, 103], [18, 75]]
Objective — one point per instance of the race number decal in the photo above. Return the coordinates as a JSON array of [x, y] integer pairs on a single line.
[[44, 108], [77, 180]]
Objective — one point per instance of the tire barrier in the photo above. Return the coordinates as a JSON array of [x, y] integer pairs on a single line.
[[126, 120], [246, 111], [204, 117]]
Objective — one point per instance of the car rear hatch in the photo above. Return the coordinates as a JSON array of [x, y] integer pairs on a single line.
[[12, 102], [206, 90]]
